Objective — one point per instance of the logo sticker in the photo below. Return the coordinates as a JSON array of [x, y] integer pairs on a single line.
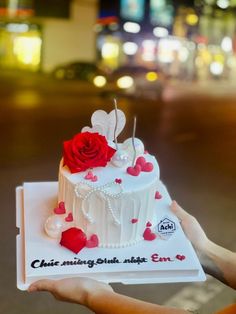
[[166, 228]]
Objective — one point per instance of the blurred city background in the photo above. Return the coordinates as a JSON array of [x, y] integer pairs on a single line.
[[170, 63]]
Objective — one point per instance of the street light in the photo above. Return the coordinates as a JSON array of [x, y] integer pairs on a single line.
[[223, 4]]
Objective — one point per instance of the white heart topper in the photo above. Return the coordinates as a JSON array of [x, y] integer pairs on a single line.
[[105, 123], [94, 129]]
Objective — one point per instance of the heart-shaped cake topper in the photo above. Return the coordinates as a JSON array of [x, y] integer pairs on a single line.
[[95, 129], [105, 123]]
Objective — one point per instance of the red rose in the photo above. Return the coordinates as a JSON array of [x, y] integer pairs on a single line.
[[73, 239], [86, 150]]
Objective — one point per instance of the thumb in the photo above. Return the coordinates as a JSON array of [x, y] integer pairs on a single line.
[[42, 285], [178, 211]]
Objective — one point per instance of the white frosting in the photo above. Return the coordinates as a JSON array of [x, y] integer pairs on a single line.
[[106, 208]]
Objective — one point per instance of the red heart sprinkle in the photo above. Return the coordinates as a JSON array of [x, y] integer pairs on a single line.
[[94, 179], [60, 210], [92, 242], [180, 257], [148, 167], [148, 224], [134, 171], [158, 196], [119, 181], [73, 239], [69, 218], [141, 161], [89, 176], [148, 235], [134, 220]]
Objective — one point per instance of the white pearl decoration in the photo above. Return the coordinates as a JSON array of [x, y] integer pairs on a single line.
[[107, 195], [120, 158], [54, 225], [128, 147]]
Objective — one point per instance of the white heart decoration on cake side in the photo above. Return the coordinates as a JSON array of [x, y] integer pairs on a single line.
[[95, 129]]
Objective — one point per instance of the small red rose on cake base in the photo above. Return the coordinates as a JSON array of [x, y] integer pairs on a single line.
[[73, 239]]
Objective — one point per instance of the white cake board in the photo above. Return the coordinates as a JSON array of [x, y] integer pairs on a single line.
[[147, 262]]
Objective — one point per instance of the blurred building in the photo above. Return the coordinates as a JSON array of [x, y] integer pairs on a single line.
[[186, 39], [36, 36]]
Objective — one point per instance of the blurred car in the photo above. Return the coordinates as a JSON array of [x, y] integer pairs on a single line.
[[83, 71], [136, 81], [129, 80]]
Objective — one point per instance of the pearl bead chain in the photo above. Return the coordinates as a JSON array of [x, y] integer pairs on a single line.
[[107, 196]]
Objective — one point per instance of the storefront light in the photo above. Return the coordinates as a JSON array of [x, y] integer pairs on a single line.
[[17, 28], [219, 57], [192, 19], [125, 82], [160, 32], [131, 27], [99, 81], [226, 44], [27, 50], [130, 48], [216, 68], [167, 48], [151, 76], [149, 49], [110, 50], [223, 4]]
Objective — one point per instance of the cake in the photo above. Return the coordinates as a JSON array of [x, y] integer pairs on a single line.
[[106, 190]]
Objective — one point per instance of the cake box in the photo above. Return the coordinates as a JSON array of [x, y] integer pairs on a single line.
[[168, 258]]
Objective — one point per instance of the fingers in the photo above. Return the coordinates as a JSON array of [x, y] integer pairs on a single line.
[[178, 211], [42, 285]]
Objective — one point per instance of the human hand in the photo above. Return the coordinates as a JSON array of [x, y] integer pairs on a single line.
[[191, 227], [76, 290]]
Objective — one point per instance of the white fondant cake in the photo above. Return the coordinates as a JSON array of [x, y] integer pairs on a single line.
[[116, 212], [107, 191]]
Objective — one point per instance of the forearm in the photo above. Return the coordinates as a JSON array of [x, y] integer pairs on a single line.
[[118, 304], [220, 263]]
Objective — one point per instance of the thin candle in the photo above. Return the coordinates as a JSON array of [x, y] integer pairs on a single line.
[[115, 130], [133, 144]]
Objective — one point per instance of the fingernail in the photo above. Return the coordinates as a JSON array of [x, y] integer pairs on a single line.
[[32, 289]]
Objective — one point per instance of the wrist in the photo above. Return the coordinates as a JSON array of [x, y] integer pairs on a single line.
[[203, 249], [203, 246], [207, 248], [207, 254], [97, 296]]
